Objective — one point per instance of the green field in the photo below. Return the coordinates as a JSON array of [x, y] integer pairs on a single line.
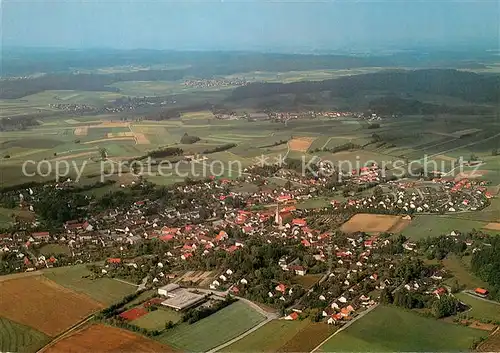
[[459, 269], [423, 226], [390, 329], [54, 249], [269, 338], [480, 309], [103, 290], [155, 320], [15, 337], [213, 330]]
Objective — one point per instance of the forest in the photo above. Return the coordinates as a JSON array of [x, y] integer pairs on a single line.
[[465, 85]]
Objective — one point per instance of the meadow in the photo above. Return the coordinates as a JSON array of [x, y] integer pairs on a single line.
[[480, 309], [15, 337], [423, 225], [390, 329], [458, 267], [214, 330], [104, 290], [269, 338], [156, 320]]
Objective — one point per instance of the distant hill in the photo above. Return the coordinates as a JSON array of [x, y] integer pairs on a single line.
[[465, 85]]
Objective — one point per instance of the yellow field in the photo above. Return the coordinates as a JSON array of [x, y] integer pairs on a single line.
[[301, 144], [81, 131], [120, 134], [373, 223], [110, 139]]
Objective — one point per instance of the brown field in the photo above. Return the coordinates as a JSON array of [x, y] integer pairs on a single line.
[[81, 131], [110, 139], [400, 226], [73, 156], [301, 144], [492, 344], [105, 339], [44, 305], [445, 158], [120, 134], [308, 338], [492, 226], [141, 139], [203, 278], [373, 223], [111, 124], [471, 174]]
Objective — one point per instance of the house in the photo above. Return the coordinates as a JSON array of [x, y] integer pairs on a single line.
[[440, 291], [186, 256], [481, 292], [281, 288], [299, 222], [41, 235], [292, 316], [114, 260], [334, 318], [299, 270]]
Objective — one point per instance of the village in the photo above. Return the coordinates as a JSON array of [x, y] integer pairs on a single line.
[[199, 248]]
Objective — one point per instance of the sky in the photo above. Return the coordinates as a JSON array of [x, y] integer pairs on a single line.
[[249, 25]]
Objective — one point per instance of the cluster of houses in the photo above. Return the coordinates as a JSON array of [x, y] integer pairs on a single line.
[[215, 82]]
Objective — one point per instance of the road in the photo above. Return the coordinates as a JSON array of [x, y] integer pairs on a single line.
[[345, 326]]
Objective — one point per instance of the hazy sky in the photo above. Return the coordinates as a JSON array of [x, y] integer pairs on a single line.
[[230, 24]]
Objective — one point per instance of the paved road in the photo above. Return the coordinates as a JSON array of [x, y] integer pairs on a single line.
[[345, 326]]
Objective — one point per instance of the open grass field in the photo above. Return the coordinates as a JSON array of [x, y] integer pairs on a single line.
[[480, 309], [423, 226], [308, 338], [213, 330], [371, 223], [390, 329], [459, 269], [54, 249], [156, 320], [106, 339], [7, 213], [104, 290], [15, 337], [269, 338], [44, 305], [307, 281]]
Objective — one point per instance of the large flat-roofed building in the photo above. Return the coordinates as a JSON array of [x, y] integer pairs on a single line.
[[179, 298], [165, 290]]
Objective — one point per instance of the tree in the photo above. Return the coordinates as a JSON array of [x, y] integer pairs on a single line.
[[445, 306], [103, 153]]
